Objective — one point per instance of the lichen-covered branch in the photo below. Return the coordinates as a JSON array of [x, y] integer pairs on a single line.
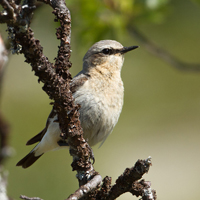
[[56, 77], [128, 182]]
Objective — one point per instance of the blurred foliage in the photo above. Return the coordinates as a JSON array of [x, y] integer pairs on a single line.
[[110, 18], [196, 1]]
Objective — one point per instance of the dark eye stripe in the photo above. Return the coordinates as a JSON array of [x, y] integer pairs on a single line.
[[111, 51], [107, 51]]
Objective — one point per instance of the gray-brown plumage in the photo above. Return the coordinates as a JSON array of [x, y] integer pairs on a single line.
[[99, 90]]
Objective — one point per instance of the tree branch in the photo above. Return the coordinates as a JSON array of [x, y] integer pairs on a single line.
[[29, 198], [161, 53], [143, 189], [9, 10], [85, 189], [70, 123], [56, 78], [127, 182]]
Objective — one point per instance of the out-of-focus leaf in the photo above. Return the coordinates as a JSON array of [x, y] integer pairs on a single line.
[[99, 19], [154, 4]]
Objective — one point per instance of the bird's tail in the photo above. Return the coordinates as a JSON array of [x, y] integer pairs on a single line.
[[28, 160]]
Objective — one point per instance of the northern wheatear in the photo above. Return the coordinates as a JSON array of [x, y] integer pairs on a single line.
[[99, 89]]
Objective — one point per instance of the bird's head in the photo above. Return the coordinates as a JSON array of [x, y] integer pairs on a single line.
[[106, 54]]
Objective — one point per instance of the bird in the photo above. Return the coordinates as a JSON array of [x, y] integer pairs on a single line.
[[99, 90]]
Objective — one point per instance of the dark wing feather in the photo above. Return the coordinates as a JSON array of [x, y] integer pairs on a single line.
[[39, 136], [77, 82], [28, 160]]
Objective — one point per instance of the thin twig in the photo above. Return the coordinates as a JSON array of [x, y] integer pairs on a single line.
[[8, 8], [85, 189], [30, 198], [163, 54], [143, 189], [125, 182]]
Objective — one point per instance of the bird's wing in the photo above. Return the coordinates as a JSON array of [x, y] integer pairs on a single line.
[[39, 136], [77, 82]]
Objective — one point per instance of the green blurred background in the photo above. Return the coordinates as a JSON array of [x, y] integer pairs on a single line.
[[161, 112]]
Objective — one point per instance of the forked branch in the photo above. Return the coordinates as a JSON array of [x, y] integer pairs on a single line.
[[56, 78]]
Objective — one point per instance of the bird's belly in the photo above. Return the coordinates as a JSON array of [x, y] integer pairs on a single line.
[[98, 116]]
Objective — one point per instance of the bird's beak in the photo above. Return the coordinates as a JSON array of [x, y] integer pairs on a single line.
[[126, 49]]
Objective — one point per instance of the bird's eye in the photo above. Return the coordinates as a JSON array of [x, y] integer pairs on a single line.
[[106, 51]]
